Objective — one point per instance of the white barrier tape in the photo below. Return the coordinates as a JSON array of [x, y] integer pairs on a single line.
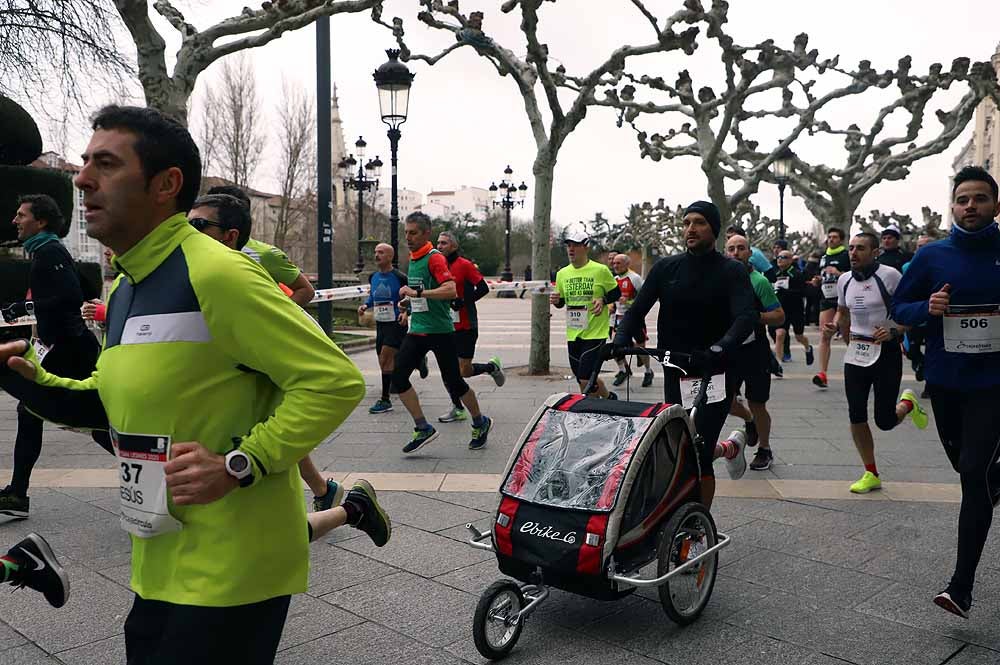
[[351, 292]]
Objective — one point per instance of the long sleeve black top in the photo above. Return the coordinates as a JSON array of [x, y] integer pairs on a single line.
[[56, 294], [704, 300]]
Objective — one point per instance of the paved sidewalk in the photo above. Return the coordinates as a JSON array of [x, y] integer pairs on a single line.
[[805, 582]]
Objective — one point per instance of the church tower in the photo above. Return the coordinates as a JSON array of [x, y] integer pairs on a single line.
[[338, 150]]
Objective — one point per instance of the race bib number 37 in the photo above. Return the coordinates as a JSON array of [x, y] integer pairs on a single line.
[[142, 484], [972, 329]]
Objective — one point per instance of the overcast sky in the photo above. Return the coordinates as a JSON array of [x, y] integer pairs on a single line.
[[466, 123]]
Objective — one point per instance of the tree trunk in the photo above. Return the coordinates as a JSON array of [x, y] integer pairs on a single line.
[[544, 170], [167, 97], [717, 195]]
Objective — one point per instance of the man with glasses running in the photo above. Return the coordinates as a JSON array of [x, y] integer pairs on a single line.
[[953, 286], [790, 285]]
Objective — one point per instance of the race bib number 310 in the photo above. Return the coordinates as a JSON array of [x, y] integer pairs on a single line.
[[576, 318], [142, 484], [972, 329]]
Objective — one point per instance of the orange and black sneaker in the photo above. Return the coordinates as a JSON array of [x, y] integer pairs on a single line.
[[820, 380]]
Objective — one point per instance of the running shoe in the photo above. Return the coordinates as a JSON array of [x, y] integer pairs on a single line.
[[778, 370], [787, 358], [423, 368], [381, 406], [917, 413], [612, 395], [925, 394], [453, 416], [820, 380], [480, 433], [956, 602], [374, 521], [762, 460], [334, 495], [13, 505], [421, 437], [752, 435], [919, 371], [39, 569], [737, 466], [866, 483], [621, 376], [809, 356], [497, 375], [647, 379]]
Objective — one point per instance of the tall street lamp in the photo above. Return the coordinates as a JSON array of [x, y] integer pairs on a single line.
[[782, 167], [365, 179], [393, 81], [506, 196]]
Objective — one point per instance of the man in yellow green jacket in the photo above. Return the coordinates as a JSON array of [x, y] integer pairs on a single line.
[[215, 385]]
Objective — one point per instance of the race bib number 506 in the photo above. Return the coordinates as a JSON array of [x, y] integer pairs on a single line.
[[972, 329]]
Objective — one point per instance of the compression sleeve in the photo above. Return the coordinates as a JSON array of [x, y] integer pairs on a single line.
[[482, 288], [613, 295], [260, 328]]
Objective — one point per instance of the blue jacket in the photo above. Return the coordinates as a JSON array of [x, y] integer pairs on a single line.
[[970, 263]]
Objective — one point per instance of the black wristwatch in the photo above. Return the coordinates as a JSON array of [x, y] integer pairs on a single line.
[[419, 288], [239, 467]]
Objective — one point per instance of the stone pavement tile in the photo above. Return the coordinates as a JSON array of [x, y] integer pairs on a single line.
[[811, 581], [462, 534], [762, 650], [120, 575], [488, 502], [927, 570], [368, 643], [850, 474], [472, 482], [110, 651], [422, 609], [52, 508], [362, 465], [10, 637], [419, 552], [728, 514], [334, 568], [798, 490], [973, 655], [804, 542], [310, 619], [399, 481], [98, 544], [923, 535], [914, 491], [647, 630], [87, 494], [425, 513], [858, 504], [572, 611], [913, 606], [95, 610], [26, 654], [544, 644], [815, 518], [844, 634], [473, 579], [729, 596]]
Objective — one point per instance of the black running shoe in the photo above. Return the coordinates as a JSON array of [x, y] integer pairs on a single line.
[[810, 356], [13, 505], [751, 429], [647, 379], [762, 460], [620, 377], [612, 395], [374, 521], [480, 434], [956, 602], [40, 570], [423, 368]]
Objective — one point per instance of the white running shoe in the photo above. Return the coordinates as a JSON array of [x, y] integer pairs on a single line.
[[738, 465]]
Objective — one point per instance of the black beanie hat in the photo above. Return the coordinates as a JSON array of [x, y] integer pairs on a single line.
[[710, 212]]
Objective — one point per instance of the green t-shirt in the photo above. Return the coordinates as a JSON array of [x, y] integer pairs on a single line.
[[273, 260], [578, 287], [767, 300]]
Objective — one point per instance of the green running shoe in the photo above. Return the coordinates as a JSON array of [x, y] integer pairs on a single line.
[[497, 375], [867, 483], [917, 413]]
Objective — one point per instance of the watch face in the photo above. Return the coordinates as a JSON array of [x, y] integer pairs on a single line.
[[238, 463]]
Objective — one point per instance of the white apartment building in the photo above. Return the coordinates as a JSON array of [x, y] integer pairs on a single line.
[[475, 201], [408, 201]]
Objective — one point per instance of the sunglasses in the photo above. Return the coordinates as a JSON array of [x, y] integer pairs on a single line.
[[200, 224], [785, 256]]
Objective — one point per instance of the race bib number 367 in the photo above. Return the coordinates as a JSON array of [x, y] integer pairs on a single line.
[[142, 484], [972, 329]]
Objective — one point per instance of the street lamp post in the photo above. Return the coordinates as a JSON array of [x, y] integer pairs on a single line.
[[365, 179], [506, 196], [393, 81], [782, 167]]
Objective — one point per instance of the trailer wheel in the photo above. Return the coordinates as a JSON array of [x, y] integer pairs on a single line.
[[496, 628], [689, 532]]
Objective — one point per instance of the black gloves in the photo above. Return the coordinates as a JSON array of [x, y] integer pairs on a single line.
[[706, 362], [457, 304], [13, 311]]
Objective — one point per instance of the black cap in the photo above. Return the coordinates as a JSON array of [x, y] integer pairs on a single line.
[[710, 212]]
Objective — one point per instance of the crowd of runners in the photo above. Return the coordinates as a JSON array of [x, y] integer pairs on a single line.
[[207, 323]]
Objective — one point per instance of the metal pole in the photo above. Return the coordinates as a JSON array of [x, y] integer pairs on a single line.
[[394, 135], [324, 188], [781, 209], [507, 276], [361, 211]]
